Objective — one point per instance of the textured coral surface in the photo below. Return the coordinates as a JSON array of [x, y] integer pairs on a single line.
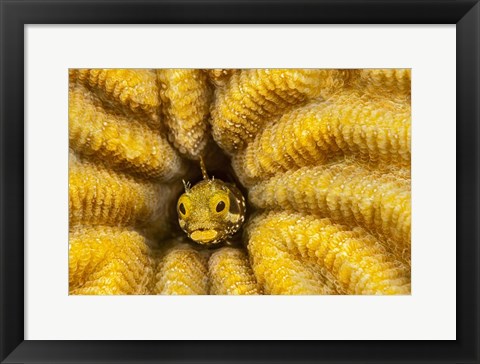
[[323, 157]]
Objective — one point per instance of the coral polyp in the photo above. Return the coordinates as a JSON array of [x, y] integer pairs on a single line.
[[321, 158]]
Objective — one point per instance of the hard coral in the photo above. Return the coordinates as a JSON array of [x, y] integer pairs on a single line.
[[322, 155]]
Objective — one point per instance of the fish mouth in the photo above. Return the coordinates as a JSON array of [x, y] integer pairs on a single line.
[[204, 236]]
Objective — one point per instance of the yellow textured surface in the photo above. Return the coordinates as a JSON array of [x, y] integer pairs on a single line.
[[282, 272], [185, 96], [348, 193], [118, 166], [135, 88], [323, 156], [388, 83], [348, 124], [252, 97], [109, 260], [99, 196], [182, 271], [120, 142], [230, 273], [357, 261], [220, 76]]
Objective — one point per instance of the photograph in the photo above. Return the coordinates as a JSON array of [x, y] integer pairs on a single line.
[[239, 181], [216, 150]]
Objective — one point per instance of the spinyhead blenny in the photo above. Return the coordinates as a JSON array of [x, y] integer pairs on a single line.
[[211, 211]]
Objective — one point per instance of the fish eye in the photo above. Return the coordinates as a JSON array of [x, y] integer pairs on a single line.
[[220, 206], [183, 206], [219, 203]]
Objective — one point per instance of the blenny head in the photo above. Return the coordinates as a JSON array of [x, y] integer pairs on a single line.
[[210, 211]]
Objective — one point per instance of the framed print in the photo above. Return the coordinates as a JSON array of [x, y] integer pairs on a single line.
[[239, 181]]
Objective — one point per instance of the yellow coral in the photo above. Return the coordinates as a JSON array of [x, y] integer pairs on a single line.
[[120, 142], [185, 95], [357, 261], [375, 131], [99, 196], [314, 148], [109, 260], [252, 97], [230, 273], [220, 76], [182, 271], [135, 88], [348, 193], [389, 83], [280, 272]]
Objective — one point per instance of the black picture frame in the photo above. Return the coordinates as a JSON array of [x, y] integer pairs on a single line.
[[15, 14]]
